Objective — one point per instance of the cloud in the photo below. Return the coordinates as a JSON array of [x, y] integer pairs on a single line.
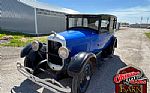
[[70, 11], [133, 11], [131, 15]]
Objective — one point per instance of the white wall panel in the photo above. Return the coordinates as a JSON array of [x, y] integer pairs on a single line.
[[48, 23], [16, 16]]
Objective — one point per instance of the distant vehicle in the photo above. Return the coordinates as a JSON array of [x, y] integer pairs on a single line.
[[148, 27], [72, 53]]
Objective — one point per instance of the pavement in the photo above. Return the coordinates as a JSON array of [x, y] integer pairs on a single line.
[[133, 48]]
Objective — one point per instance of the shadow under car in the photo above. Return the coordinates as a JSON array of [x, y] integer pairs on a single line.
[[101, 82]]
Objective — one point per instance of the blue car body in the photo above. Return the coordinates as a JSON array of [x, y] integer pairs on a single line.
[[80, 40]]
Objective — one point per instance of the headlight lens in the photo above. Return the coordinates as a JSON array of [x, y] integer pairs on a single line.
[[35, 45], [63, 52]]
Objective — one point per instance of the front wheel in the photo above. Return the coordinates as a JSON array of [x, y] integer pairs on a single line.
[[80, 82], [30, 64]]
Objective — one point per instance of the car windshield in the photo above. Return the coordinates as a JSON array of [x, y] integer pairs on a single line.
[[84, 22]]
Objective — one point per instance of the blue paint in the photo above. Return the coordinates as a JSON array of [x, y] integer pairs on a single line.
[[81, 40]]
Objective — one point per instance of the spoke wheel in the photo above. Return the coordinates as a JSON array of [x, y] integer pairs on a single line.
[[81, 82], [85, 78]]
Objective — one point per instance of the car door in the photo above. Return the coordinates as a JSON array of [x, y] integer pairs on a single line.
[[105, 32], [99, 40]]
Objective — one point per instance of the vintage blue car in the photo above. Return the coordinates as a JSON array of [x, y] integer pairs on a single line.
[[72, 53]]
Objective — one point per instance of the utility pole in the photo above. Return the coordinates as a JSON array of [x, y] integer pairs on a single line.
[[147, 19], [141, 22], [35, 20]]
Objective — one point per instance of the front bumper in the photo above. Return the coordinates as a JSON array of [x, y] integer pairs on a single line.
[[49, 84]]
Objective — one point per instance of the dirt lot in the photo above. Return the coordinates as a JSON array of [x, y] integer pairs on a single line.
[[133, 48]]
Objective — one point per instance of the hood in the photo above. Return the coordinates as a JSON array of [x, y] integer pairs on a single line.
[[75, 34], [78, 40]]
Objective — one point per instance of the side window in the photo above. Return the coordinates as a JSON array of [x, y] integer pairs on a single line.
[[74, 22], [93, 23], [79, 22], [85, 22], [71, 22], [104, 25], [97, 23], [114, 24], [111, 24]]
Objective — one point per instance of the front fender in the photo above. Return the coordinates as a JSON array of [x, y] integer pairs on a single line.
[[78, 61], [25, 51]]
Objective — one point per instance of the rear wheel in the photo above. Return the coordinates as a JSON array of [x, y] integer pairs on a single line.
[[108, 52], [112, 47], [80, 82], [111, 50]]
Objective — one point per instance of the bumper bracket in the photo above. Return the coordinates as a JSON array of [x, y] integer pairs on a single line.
[[50, 84]]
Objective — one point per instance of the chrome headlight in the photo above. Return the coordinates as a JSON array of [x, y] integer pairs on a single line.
[[35, 45], [63, 52]]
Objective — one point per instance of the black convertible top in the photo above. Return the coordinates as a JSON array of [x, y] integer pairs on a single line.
[[91, 15]]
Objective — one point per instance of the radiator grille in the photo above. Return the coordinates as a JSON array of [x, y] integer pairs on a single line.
[[53, 55]]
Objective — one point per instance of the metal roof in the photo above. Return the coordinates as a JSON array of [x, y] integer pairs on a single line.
[[40, 5]]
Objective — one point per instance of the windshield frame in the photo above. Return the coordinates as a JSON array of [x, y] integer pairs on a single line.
[[83, 16]]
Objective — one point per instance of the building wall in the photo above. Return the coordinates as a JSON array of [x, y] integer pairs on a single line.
[[0, 8], [17, 16], [48, 21]]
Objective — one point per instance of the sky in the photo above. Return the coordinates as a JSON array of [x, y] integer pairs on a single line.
[[131, 11]]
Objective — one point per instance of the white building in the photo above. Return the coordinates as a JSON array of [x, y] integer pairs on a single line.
[[33, 17]]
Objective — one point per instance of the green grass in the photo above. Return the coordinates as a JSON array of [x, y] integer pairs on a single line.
[[148, 34], [20, 39]]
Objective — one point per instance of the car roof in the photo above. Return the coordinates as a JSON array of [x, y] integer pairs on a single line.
[[91, 15]]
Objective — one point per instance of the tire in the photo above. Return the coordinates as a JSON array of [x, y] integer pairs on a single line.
[[80, 82], [111, 49], [30, 64]]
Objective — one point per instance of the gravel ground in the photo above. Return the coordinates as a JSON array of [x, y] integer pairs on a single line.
[[133, 48]]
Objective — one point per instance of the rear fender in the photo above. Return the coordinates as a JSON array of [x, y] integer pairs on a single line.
[[115, 42]]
